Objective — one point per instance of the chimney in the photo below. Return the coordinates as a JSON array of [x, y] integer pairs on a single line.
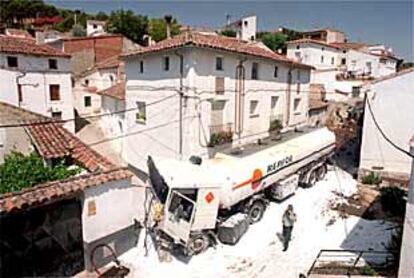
[[168, 20]]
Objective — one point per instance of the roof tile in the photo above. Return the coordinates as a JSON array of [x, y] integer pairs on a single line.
[[26, 46]]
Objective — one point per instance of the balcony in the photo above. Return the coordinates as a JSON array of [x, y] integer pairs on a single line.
[[220, 134], [354, 76]]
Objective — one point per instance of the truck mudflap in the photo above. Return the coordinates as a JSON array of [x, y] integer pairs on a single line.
[[231, 230]]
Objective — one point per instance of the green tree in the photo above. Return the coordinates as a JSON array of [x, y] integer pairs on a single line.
[[274, 41], [158, 28], [228, 33], [125, 22], [19, 171], [101, 16], [78, 31]]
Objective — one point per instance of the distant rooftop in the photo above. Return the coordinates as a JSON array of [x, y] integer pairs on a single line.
[[27, 46]]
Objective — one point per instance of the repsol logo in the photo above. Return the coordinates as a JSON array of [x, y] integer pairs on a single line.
[[279, 164]]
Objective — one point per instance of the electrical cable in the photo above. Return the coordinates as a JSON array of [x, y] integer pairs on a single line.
[[383, 133]]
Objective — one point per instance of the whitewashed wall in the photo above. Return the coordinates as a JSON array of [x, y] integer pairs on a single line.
[[113, 125], [117, 205], [392, 104], [35, 85], [199, 83], [311, 54]]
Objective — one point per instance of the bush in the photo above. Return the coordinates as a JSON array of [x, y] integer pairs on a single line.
[[392, 200], [19, 171], [219, 138], [371, 178], [368, 271], [275, 125]]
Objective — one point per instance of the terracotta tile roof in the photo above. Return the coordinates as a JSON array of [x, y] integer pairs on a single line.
[[51, 191], [52, 140], [217, 42], [315, 42], [24, 46], [117, 91], [350, 45], [18, 33]]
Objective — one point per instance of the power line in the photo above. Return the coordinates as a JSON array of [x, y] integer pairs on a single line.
[[165, 88], [31, 123], [383, 133]]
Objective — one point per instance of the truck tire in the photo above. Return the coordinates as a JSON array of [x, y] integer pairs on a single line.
[[312, 178], [255, 212], [321, 172], [197, 244]]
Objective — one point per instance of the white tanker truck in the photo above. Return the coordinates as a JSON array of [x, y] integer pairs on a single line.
[[203, 201]]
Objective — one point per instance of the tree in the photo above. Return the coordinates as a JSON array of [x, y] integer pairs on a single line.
[[274, 41], [78, 31], [19, 171], [228, 33], [101, 16], [158, 28], [132, 26]]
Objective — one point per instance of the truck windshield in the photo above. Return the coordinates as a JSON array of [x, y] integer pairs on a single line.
[[181, 207], [157, 181]]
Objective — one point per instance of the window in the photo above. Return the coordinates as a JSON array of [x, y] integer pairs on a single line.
[[254, 111], [181, 208], [95, 26], [296, 105], [141, 115], [54, 91], [275, 73], [246, 23], [53, 64], [12, 62], [322, 59], [298, 47], [332, 61], [20, 92], [57, 115], [369, 66], [298, 75], [111, 78], [255, 71], [87, 101], [343, 61], [356, 91], [141, 66], [323, 48], [273, 102], [86, 81], [219, 63], [166, 63], [220, 85]]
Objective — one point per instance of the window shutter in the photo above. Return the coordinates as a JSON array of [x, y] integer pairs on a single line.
[[220, 85]]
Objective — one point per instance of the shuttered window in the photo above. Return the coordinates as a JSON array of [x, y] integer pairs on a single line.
[[54, 91], [220, 85]]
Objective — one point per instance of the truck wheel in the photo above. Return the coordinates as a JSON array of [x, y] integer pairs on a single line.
[[322, 170], [256, 211], [312, 179], [197, 244]]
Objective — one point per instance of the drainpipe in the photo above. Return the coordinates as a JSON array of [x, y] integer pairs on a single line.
[[288, 96], [181, 93], [239, 98], [23, 74]]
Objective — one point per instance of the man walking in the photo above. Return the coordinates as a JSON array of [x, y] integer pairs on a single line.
[[288, 219]]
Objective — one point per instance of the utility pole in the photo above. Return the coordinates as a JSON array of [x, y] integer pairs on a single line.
[[406, 268]]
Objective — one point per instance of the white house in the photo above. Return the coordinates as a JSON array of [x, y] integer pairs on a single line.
[[95, 27], [37, 78], [342, 67], [101, 76], [391, 101], [245, 28], [194, 90]]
